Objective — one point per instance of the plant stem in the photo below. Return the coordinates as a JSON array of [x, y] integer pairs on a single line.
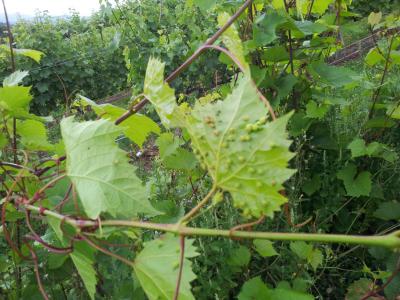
[[391, 240], [385, 71], [199, 205]]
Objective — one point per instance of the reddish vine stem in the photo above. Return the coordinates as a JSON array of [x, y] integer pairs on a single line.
[[6, 233], [39, 194], [38, 239], [65, 199], [37, 273], [105, 251], [189, 61], [246, 226], [388, 281], [181, 262], [385, 71]]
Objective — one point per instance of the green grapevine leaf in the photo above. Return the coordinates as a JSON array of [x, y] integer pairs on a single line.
[[289, 294], [157, 267], [313, 185], [15, 100], [321, 6], [239, 257], [137, 127], [172, 155], [167, 144], [305, 251], [232, 40], [15, 78], [265, 248], [160, 94], [388, 211], [3, 140], [33, 54], [34, 135], [356, 186], [244, 156], [254, 289], [264, 28], [100, 171], [374, 18], [315, 111], [331, 75], [359, 148], [82, 257], [373, 57]]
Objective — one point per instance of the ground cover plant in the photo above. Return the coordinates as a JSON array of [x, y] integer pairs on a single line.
[[247, 164]]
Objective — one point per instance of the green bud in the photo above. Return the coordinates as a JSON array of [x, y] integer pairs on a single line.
[[263, 120], [245, 138], [241, 159]]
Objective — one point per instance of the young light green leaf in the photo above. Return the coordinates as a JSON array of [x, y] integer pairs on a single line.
[[15, 78], [160, 94], [100, 171], [265, 248], [244, 156], [356, 186], [82, 257], [374, 18], [137, 127], [157, 267], [373, 57], [33, 54], [232, 40], [15, 100], [34, 135], [254, 289]]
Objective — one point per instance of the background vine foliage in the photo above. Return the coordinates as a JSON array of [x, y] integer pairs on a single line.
[[258, 169]]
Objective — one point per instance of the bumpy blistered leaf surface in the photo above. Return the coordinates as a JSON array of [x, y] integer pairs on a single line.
[[100, 171], [245, 155], [157, 268]]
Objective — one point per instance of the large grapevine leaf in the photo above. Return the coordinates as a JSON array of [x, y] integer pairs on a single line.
[[137, 127], [160, 94], [82, 257], [245, 155], [100, 171], [157, 268]]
